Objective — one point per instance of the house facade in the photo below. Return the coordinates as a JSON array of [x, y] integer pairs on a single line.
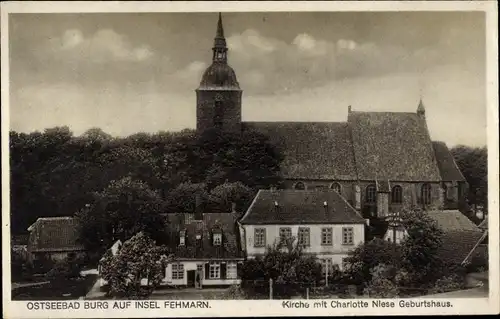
[[53, 238], [206, 251], [322, 222], [380, 162]]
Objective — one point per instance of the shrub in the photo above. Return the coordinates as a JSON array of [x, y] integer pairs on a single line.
[[382, 284], [21, 268], [68, 268], [448, 283]]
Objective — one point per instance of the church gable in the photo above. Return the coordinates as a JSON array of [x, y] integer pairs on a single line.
[[315, 150], [447, 167], [394, 146]]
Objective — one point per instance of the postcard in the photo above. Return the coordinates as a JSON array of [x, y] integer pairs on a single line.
[[193, 159]]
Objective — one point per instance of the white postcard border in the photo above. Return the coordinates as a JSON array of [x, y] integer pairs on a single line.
[[238, 308]]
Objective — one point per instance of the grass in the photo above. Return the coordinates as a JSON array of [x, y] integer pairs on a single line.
[[59, 289]]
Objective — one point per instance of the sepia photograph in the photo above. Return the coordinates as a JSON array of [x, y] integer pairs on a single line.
[[247, 155]]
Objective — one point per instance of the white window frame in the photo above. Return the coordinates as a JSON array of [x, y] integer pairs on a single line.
[[232, 270], [328, 231], [304, 236], [214, 270], [177, 271], [217, 239], [259, 237], [347, 236], [285, 233]]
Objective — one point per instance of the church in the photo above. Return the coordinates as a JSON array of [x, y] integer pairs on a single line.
[[380, 162]]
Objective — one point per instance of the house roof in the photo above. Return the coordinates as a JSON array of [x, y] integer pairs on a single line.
[[312, 150], [392, 146], [484, 224], [203, 248], [460, 234], [53, 234], [447, 166], [300, 207]]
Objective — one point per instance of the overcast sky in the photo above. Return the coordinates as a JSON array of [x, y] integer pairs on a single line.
[[127, 73]]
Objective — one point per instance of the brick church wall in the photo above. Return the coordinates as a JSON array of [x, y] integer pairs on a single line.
[[205, 109]]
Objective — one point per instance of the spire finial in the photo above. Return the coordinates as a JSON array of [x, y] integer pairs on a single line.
[[220, 28], [421, 108]]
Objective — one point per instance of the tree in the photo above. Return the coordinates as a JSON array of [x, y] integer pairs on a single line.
[[136, 269], [287, 265], [419, 250], [473, 163], [247, 157], [124, 208], [361, 261], [223, 196], [185, 198]]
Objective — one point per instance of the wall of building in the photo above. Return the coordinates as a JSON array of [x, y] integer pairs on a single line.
[[205, 109], [192, 265], [411, 192], [272, 236]]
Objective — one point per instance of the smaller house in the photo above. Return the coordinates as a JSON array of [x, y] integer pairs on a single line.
[[206, 249], [53, 238], [460, 234], [322, 221]]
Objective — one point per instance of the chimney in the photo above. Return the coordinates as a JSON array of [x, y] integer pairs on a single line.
[[233, 207], [349, 109]]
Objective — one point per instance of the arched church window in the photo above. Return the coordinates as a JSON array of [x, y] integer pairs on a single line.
[[397, 194], [426, 194], [336, 187], [299, 186], [371, 193]]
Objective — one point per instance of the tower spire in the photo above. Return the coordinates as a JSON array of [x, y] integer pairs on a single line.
[[220, 48], [220, 28]]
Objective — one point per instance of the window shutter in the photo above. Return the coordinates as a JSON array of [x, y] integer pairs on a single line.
[[223, 267], [207, 271]]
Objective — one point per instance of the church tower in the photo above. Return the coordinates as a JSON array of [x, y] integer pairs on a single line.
[[218, 98]]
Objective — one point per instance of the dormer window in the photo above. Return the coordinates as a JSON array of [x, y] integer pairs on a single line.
[[217, 239]]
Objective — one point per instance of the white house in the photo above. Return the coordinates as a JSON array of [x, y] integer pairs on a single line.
[[206, 249], [322, 221]]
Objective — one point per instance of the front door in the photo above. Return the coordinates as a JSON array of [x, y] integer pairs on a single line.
[[191, 275]]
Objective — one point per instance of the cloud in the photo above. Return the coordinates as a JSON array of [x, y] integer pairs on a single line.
[[103, 46], [307, 62]]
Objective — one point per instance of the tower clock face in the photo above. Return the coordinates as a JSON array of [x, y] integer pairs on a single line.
[[218, 97]]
